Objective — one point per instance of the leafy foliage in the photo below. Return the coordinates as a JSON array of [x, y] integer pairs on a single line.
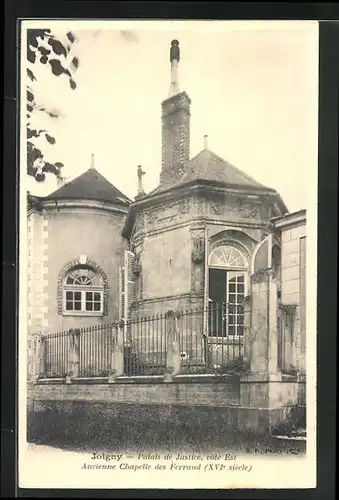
[[43, 47]]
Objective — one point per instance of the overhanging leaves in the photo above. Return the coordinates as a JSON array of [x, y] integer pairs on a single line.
[[57, 47], [75, 62], [44, 47], [33, 132], [50, 139], [57, 68], [30, 55], [70, 37], [30, 75]]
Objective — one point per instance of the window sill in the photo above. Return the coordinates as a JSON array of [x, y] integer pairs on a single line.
[[82, 313]]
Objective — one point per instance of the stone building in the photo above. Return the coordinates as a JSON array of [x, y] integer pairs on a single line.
[[208, 238], [74, 245]]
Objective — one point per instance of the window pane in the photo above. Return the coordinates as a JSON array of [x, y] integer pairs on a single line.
[[230, 319], [231, 330], [97, 297], [240, 288], [77, 306], [69, 306], [231, 298], [241, 278], [240, 330], [77, 296], [231, 309], [89, 296], [231, 287], [89, 306], [69, 295], [97, 306]]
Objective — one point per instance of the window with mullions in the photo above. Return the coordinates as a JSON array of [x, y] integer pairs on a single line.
[[227, 282], [83, 292], [235, 297]]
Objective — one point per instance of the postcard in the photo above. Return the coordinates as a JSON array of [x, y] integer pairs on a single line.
[[168, 236]]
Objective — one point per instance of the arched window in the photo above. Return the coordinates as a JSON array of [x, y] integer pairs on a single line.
[[83, 291], [227, 256], [228, 269]]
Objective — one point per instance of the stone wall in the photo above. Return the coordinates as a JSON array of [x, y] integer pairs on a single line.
[[60, 237], [205, 406], [37, 272], [150, 392], [290, 286], [166, 264], [169, 238]]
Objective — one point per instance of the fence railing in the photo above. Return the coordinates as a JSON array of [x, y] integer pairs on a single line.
[[176, 342]]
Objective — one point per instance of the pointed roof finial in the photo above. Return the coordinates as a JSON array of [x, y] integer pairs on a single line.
[[175, 50], [174, 58], [141, 173], [92, 160], [205, 141]]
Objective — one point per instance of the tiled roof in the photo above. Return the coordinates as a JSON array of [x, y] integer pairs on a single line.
[[90, 186], [208, 166]]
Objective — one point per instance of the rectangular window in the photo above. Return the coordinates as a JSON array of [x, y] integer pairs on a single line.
[[93, 301], [83, 301], [235, 297]]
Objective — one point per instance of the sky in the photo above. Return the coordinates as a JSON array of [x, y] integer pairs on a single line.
[[253, 87]]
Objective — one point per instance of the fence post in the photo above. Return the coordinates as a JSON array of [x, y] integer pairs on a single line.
[[173, 361], [247, 304], [74, 356], [39, 358], [117, 353]]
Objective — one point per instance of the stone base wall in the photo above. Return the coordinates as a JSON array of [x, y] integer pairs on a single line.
[[186, 399], [183, 393]]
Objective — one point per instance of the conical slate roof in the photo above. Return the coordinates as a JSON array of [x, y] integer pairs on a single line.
[[90, 186]]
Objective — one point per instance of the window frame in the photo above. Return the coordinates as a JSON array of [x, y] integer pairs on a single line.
[[229, 338], [83, 290]]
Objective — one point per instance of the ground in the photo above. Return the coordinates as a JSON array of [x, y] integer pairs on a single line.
[[137, 438]]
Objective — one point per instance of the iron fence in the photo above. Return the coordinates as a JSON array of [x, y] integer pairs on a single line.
[[188, 341], [56, 349]]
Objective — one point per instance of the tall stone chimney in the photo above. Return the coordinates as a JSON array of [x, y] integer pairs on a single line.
[[175, 125]]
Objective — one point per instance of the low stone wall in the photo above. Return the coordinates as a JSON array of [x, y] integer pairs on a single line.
[[153, 391], [206, 404]]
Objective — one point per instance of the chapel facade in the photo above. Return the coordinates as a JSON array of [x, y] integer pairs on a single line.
[[204, 275], [194, 242]]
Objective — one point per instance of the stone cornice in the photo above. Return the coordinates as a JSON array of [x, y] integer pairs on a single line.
[[192, 188], [292, 219], [199, 222], [51, 205]]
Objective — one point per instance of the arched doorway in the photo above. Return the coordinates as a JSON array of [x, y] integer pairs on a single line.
[[227, 273]]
